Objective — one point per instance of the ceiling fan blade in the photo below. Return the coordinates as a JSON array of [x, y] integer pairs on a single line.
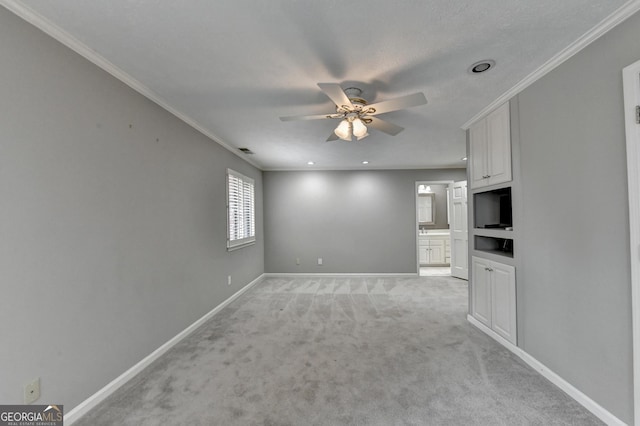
[[398, 103], [336, 94], [384, 126], [310, 117], [332, 137]]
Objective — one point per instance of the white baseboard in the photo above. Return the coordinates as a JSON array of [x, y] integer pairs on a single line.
[[336, 275], [89, 403], [554, 378]]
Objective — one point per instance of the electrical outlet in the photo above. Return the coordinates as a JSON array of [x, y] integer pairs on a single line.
[[319, 261], [32, 391], [229, 280], [297, 260]]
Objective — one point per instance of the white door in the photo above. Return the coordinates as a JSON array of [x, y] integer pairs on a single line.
[[436, 252], [499, 145], [481, 292], [503, 301], [459, 232], [423, 250], [478, 148]]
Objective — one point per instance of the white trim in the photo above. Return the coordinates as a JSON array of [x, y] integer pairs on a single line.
[[631, 89], [49, 28], [250, 239], [89, 403], [316, 168], [504, 342], [241, 246], [622, 13], [554, 378], [335, 275]]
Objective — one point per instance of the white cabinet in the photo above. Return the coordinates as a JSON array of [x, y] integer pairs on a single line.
[[490, 149], [493, 296], [433, 250], [436, 252], [423, 250]]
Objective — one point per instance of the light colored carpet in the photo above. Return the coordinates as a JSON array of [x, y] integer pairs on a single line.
[[337, 351]]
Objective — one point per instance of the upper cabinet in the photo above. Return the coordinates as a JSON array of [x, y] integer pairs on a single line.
[[490, 149]]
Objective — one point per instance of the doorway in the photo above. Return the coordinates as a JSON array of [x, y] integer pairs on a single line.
[[441, 228], [433, 236]]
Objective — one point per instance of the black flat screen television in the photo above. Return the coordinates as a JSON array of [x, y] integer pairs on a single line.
[[492, 209]]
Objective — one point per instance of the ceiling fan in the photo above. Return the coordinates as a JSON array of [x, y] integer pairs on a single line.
[[355, 114]]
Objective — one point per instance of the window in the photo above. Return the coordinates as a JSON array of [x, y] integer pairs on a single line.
[[241, 228]]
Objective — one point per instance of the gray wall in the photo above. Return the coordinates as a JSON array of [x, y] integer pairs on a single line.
[[357, 221], [112, 222], [574, 297]]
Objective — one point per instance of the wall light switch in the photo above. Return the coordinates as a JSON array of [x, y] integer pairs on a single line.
[[229, 280], [319, 261], [297, 260]]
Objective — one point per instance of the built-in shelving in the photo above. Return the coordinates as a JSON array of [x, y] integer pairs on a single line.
[[499, 233], [492, 209], [493, 225], [494, 245], [492, 234]]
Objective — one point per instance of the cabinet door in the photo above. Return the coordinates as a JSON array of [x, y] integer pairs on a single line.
[[499, 146], [436, 252], [503, 300], [481, 292], [478, 153], [423, 251]]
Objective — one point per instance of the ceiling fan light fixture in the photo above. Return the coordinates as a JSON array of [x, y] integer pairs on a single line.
[[355, 113], [359, 129], [343, 131]]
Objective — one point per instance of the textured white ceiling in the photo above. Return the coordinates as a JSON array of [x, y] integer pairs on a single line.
[[235, 66]]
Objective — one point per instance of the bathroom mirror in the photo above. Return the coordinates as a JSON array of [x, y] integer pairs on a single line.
[[426, 209]]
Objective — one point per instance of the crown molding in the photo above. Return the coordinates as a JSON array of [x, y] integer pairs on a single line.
[[54, 31], [624, 12]]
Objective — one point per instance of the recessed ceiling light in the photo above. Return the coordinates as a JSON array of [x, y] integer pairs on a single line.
[[464, 159], [365, 162], [311, 163], [482, 66]]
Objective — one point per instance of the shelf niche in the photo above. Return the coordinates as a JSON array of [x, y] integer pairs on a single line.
[[494, 245], [492, 209]]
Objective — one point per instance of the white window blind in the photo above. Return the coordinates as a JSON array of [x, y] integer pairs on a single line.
[[240, 210]]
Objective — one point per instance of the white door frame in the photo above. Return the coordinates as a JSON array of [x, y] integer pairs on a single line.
[[415, 196], [631, 84]]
